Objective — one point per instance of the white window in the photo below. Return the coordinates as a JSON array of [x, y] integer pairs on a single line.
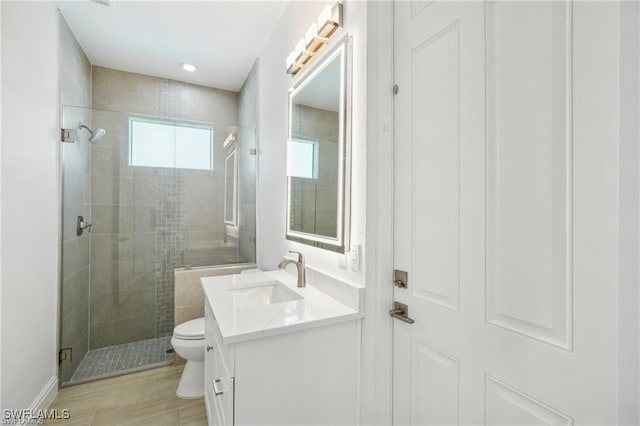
[[157, 143], [303, 158]]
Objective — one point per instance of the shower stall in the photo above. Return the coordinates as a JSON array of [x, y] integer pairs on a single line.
[[143, 195]]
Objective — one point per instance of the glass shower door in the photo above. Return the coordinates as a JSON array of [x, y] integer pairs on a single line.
[[155, 192], [76, 247]]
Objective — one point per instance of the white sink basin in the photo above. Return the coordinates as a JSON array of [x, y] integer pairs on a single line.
[[263, 294]]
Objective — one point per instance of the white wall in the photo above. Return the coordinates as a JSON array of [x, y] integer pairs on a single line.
[[0, 207], [377, 333], [29, 188], [372, 210], [274, 86], [629, 198]]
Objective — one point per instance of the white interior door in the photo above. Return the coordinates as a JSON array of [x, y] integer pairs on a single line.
[[505, 217]]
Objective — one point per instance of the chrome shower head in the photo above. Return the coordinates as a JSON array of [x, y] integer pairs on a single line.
[[99, 134], [95, 137]]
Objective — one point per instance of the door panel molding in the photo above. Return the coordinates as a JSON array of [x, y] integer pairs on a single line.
[[505, 405], [435, 168], [529, 147], [435, 386], [418, 6]]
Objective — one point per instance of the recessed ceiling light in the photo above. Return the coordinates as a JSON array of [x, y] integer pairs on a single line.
[[189, 67]]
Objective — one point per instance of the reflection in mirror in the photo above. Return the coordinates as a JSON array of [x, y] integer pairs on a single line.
[[318, 155], [230, 189]]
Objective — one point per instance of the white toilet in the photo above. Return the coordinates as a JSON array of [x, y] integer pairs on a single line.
[[188, 342]]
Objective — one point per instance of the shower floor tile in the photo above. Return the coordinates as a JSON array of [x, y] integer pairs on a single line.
[[121, 359]]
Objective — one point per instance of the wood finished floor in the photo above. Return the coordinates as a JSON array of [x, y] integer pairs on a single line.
[[145, 398]]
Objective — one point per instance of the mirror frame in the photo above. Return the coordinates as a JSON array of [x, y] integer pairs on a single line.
[[339, 47]]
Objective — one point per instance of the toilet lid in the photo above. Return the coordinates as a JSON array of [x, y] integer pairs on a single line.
[[190, 330]]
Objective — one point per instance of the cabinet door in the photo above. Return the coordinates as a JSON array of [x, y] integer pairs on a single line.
[[225, 388], [219, 383], [209, 369], [223, 383], [226, 352]]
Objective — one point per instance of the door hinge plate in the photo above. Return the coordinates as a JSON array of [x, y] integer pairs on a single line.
[[67, 135], [395, 89], [65, 355], [400, 279]]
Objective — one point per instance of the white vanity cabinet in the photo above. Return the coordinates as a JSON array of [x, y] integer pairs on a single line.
[[305, 377], [219, 374]]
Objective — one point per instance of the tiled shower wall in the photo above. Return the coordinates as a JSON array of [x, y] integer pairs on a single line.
[[75, 89], [148, 221]]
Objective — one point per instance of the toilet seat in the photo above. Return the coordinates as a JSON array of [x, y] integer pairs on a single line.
[[190, 330]]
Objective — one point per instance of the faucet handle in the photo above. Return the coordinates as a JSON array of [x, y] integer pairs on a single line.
[[300, 255]]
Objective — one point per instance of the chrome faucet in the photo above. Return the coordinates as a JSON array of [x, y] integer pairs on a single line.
[[302, 277]]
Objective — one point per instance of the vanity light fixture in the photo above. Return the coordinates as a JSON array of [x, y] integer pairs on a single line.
[[189, 67], [303, 55], [329, 20], [316, 37]]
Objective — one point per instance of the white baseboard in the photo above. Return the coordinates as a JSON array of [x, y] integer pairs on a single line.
[[40, 404], [46, 395]]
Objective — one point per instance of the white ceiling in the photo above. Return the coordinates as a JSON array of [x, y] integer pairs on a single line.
[[222, 38]]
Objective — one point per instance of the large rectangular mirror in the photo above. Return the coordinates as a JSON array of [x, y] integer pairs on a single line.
[[318, 152]]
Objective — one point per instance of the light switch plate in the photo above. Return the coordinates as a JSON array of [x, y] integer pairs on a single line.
[[344, 260]]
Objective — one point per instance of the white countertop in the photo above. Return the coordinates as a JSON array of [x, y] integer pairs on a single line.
[[238, 322]]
